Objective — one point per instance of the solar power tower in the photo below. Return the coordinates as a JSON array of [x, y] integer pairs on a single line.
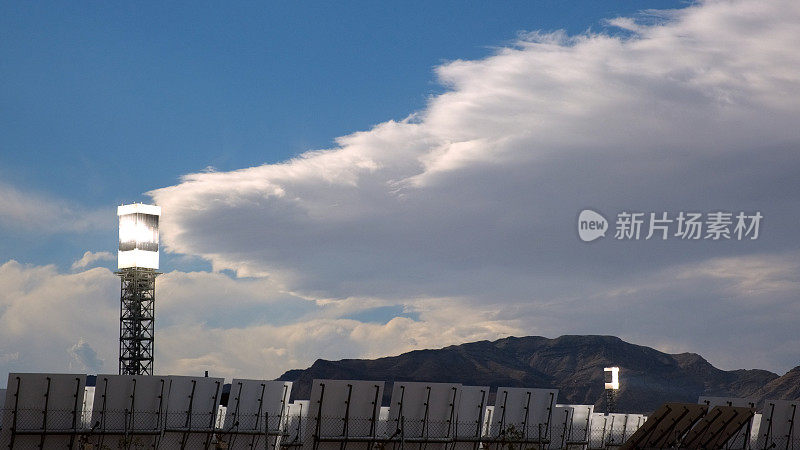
[[137, 263]]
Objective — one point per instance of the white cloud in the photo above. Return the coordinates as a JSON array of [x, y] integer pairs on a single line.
[[86, 357], [204, 321], [250, 328], [90, 258], [42, 312], [26, 211], [475, 197]]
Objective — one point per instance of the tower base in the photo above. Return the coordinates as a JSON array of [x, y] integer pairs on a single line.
[[136, 320]]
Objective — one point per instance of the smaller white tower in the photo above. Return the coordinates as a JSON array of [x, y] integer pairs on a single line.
[[611, 375]]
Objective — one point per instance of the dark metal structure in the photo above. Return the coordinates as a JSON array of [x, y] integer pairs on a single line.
[[611, 401], [136, 320]]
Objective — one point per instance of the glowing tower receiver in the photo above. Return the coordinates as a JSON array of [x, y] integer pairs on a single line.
[[614, 383], [137, 261]]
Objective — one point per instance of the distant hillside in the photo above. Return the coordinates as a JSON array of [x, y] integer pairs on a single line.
[[573, 364], [786, 387]]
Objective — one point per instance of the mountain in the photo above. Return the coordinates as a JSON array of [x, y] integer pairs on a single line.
[[572, 364], [786, 387]]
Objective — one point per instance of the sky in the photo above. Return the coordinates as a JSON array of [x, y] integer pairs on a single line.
[[363, 179]]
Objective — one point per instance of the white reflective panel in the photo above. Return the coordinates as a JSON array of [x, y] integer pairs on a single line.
[[616, 425], [88, 405], [220, 423], [470, 417], [619, 427], [427, 409], [138, 231], [420, 410], [295, 422], [138, 208], [343, 409], [754, 430], [190, 411], [138, 236], [300, 407], [471, 403], [137, 258], [633, 422], [580, 425], [488, 415], [131, 404], [598, 431], [613, 429], [255, 406], [726, 401], [523, 413], [383, 422], [43, 402], [561, 426], [779, 419]]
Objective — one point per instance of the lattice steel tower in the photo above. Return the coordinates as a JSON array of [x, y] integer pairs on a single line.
[[138, 265]]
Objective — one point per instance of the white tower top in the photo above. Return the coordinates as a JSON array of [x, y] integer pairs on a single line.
[[138, 236], [614, 382]]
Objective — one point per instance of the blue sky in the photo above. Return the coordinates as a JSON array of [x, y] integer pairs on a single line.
[[103, 102], [359, 179]]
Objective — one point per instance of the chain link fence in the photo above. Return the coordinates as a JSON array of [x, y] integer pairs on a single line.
[[112, 430]]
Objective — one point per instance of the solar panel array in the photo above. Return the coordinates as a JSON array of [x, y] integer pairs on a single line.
[[295, 423], [127, 412]]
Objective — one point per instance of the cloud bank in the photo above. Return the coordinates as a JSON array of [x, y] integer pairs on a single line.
[[51, 321], [474, 198]]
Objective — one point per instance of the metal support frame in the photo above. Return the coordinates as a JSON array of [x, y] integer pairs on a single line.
[[15, 415], [567, 429], [258, 416], [136, 320], [790, 435], [212, 419], [768, 432], [479, 422]]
